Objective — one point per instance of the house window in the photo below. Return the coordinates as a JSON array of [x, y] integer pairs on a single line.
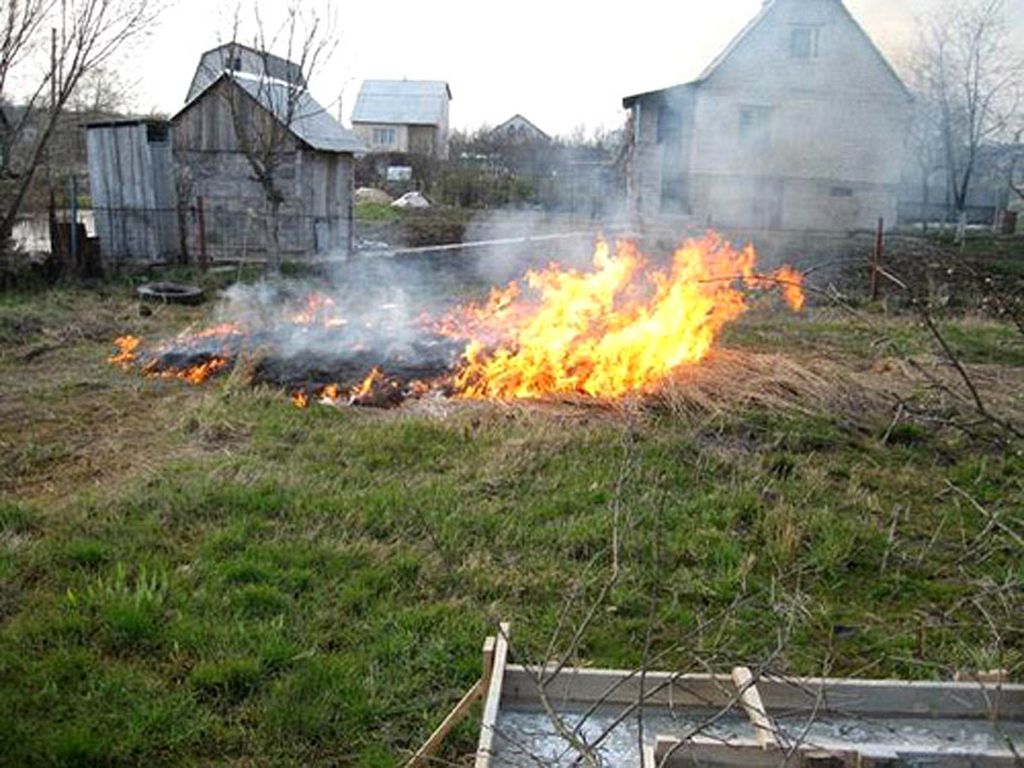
[[755, 126], [803, 42], [841, 192], [670, 125], [673, 195], [235, 64], [156, 133], [384, 137]]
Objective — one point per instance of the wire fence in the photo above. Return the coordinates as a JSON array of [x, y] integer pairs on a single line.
[[209, 233], [204, 233]]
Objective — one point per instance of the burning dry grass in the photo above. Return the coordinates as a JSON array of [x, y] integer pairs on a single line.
[[610, 332], [736, 382]]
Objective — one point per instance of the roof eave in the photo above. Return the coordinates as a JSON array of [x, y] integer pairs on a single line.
[[365, 121], [629, 101]]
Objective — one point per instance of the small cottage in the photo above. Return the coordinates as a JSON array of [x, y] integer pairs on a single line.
[[248, 111], [403, 116]]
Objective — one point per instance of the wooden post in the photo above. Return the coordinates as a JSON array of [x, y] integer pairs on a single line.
[[73, 183], [876, 258], [202, 234], [492, 701], [478, 691], [750, 698]]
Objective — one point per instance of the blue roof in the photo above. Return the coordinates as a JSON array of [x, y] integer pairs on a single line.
[[402, 102], [310, 122]]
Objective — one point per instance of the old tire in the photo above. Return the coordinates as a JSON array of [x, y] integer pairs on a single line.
[[171, 293]]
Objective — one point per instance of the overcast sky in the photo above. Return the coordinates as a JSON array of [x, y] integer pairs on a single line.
[[562, 63]]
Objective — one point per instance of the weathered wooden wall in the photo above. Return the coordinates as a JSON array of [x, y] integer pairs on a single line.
[[132, 189], [315, 217]]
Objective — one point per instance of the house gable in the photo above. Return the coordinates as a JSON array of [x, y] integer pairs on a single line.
[[837, 57], [518, 127], [232, 57]]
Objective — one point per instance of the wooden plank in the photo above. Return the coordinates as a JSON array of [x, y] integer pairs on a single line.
[[459, 712], [895, 698], [670, 753], [863, 697], [454, 717], [485, 747], [620, 687], [713, 753], [490, 643], [750, 698], [747, 753]]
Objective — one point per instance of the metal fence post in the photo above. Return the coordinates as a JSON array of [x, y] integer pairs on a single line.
[[876, 258], [202, 234], [73, 183]]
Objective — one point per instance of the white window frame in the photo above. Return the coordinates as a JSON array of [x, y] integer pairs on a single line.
[[385, 137], [813, 42]]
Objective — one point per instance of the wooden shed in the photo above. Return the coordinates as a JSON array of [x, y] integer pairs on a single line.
[[313, 167], [131, 180]]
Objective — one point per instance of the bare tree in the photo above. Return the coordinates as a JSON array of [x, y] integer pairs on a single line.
[[1015, 167], [925, 147], [967, 75], [103, 91], [52, 47], [265, 106]]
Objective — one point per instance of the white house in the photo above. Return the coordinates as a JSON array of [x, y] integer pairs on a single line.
[[799, 124], [407, 116], [518, 129]]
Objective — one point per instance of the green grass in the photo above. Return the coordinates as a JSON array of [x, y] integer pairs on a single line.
[[975, 341], [377, 212], [210, 576]]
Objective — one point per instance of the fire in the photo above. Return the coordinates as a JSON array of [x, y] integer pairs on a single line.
[[319, 309], [194, 374], [373, 379], [621, 327], [375, 389], [127, 351]]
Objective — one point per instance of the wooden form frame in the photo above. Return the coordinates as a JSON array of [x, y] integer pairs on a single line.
[[458, 714], [514, 687]]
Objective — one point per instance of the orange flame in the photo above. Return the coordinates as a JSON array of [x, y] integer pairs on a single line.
[[619, 328], [127, 351], [374, 378], [318, 309], [195, 374], [300, 399]]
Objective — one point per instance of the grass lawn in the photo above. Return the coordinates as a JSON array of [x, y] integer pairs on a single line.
[[208, 576]]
